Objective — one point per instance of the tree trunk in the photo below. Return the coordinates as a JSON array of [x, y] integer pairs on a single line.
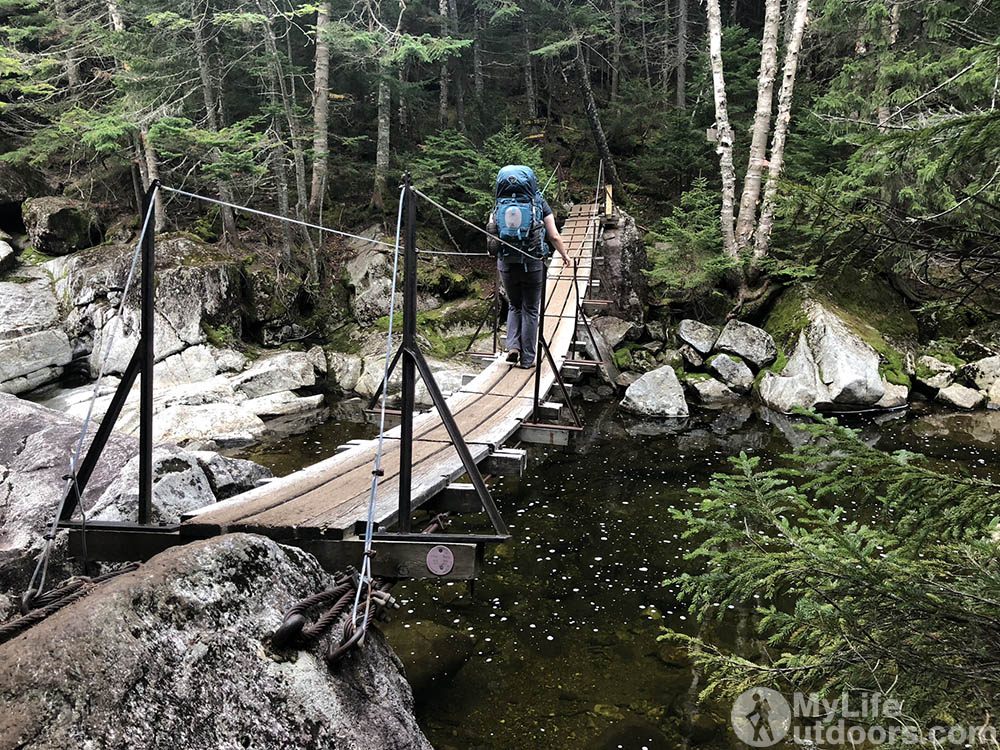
[[382, 142], [891, 34], [780, 131], [211, 115], [294, 132], [152, 174], [321, 108], [616, 46], [611, 174], [404, 113], [458, 67], [682, 30], [443, 95], [724, 144], [667, 70], [72, 63], [115, 14], [477, 57], [747, 220], [529, 77], [281, 177]]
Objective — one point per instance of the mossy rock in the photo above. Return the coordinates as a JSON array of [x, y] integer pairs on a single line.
[[869, 308]]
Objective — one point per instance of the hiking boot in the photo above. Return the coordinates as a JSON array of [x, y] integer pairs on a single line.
[[527, 365], [513, 355]]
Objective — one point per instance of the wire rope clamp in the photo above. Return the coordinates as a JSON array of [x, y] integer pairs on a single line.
[[378, 472]]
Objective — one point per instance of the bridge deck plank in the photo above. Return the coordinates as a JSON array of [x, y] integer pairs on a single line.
[[329, 498]]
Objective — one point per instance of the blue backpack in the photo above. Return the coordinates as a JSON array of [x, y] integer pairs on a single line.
[[517, 214]]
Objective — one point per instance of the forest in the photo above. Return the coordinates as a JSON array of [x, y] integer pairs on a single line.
[[759, 146]]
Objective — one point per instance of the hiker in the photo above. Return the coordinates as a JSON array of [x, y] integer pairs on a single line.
[[522, 227]]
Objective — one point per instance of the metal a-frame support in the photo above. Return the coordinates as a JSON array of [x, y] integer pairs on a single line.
[[141, 363], [413, 361]]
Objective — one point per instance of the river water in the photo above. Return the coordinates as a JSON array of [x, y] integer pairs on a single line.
[[555, 645]]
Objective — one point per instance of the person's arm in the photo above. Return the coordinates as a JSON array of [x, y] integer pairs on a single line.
[[553, 236]]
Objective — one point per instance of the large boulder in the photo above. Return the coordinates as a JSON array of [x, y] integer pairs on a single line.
[[798, 385], [656, 394], [57, 225], [752, 344], [226, 425], [615, 330], [848, 365], [284, 371], [621, 272], [698, 336], [732, 372], [344, 370], [179, 485], [177, 655], [7, 256], [960, 397], [933, 374], [982, 373], [33, 348], [832, 363], [36, 444], [197, 291], [369, 277], [710, 392]]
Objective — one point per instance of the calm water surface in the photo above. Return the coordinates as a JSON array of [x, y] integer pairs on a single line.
[[555, 645]]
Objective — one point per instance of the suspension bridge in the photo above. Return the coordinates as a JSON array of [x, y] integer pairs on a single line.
[[359, 503]]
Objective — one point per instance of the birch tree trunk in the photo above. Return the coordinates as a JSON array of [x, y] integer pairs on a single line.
[[594, 117], [321, 108], [682, 31], [724, 145], [382, 142], [529, 77], [769, 206], [211, 115], [443, 94], [747, 220]]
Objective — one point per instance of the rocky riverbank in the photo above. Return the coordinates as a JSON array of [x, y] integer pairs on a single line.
[[178, 654]]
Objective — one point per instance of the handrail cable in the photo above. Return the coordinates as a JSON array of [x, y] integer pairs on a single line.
[[366, 565]]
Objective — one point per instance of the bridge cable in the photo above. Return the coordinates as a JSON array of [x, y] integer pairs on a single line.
[[476, 227], [41, 568], [366, 565]]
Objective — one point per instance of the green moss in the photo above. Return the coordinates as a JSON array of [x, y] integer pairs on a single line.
[[869, 298], [221, 336], [446, 329], [342, 339], [787, 318], [695, 377], [944, 350], [33, 257]]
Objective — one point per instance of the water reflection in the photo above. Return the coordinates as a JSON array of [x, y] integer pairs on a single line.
[[555, 646]]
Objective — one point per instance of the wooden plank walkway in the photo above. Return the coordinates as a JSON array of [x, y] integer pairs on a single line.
[[328, 499]]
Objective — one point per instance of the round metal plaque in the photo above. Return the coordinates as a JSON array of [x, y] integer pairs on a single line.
[[440, 560]]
